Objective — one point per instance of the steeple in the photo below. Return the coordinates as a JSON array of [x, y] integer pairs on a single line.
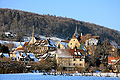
[[33, 40], [76, 30], [20, 47], [33, 34]]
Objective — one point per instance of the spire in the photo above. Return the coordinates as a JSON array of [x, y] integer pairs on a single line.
[[76, 30], [33, 40], [33, 35], [33, 32]]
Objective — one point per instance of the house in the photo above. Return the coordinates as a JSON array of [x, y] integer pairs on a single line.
[[19, 54], [70, 59], [114, 62], [44, 45], [90, 42], [9, 34], [113, 49], [41, 47]]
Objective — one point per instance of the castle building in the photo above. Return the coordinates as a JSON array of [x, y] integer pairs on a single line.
[[70, 59]]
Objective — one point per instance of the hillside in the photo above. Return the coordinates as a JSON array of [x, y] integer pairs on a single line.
[[21, 22]]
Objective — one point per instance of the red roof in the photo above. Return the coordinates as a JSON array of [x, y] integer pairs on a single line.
[[74, 37], [66, 41], [113, 60], [19, 49], [26, 43]]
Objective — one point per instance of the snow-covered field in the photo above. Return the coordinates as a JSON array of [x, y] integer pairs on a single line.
[[38, 76]]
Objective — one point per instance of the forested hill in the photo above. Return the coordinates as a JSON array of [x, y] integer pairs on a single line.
[[48, 25]]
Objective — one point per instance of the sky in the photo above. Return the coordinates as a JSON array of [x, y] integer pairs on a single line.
[[101, 12]]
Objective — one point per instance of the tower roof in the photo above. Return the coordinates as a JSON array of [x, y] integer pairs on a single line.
[[76, 30], [19, 48], [33, 40]]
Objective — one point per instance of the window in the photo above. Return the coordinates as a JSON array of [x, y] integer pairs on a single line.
[[80, 59], [69, 64], [70, 43], [74, 64], [74, 59], [80, 64], [73, 40], [76, 44], [88, 43]]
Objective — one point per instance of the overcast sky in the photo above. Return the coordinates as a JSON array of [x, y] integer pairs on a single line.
[[102, 12]]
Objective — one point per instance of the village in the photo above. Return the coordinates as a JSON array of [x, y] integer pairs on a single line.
[[82, 53]]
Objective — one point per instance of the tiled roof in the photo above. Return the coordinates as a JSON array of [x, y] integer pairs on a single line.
[[26, 43], [19, 48], [113, 60], [74, 37], [45, 42], [66, 41], [88, 36], [64, 44], [41, 42]]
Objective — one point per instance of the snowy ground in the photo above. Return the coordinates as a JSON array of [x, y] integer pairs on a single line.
[[38, 76]]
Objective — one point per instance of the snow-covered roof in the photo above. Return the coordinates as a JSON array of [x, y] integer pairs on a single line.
[[51, 43], [69, 53], [36, 60], [118, 47], [31, 55], [45, 55], [63, 53], [52, 52], [114, 44], [64, 44], [23, 54], [6, 55], [45, 42]]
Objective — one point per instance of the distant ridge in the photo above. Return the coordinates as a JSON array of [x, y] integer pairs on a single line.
[[48, 25]]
